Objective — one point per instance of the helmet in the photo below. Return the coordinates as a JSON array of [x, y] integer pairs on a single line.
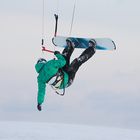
[[41, 60]]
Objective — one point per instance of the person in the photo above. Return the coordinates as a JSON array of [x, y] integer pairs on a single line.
[[46, 71], [61, 68]]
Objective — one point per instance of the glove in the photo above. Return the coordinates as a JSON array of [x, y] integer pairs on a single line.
[[39, 107], [56, 52]]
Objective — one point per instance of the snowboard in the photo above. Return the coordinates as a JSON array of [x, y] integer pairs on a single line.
[[101, 43]]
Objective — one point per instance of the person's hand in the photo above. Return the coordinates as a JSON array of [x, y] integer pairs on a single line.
[[39, 107], [56, 52]]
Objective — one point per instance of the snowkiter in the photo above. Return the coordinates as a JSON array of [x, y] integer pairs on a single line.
[[61, 68], [48, 70]]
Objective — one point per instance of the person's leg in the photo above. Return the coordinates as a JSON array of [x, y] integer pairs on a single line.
[[67, 52], [76, 63], [88, 53]]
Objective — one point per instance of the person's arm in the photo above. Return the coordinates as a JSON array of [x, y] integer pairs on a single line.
[[61, 60], [41, 94]]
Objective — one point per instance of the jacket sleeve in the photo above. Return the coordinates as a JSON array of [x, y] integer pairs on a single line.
[[61, 62], [41, 92]]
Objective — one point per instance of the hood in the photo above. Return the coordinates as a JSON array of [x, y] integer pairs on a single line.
[[39, 66]]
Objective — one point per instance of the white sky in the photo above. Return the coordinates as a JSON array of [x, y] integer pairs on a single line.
[[106, 88]]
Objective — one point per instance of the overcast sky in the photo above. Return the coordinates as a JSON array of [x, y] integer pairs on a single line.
[[106, 89]]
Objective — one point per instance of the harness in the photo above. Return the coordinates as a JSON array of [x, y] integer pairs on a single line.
[[58, 81]]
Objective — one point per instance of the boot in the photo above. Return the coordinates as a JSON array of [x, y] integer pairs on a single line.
[[88, 53], [67, 52], [69, 48]]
